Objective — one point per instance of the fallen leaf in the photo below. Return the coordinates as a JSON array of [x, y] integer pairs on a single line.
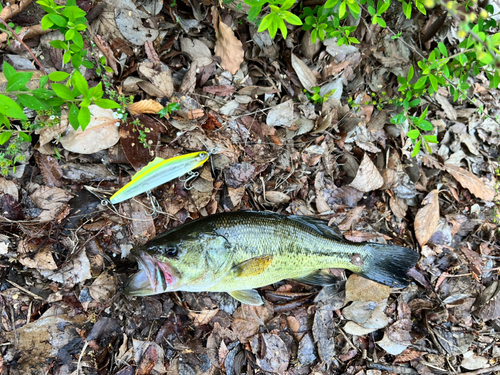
[[281, 115], [197, 50], [427, 218], [227, 47], [368, 177], [162, 80], [42, 260], [306, 76], [103, 288], [145, 106], [248, 319], [100, 134], [73, 272], [141, 347], [51, 200], [105, 48], [472, 361], [141, 225], [135, 152], [450, 111], [471, 182], [202, 317], [51, 171], [276, 356], [358, 288], [8, 187], [222, 90], [148, 361]]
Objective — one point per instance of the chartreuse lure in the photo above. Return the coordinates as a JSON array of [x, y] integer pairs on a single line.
[[158, 172]]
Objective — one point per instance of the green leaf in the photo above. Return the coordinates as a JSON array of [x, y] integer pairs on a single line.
[[58, 76], [97, 92], [293, 19], [442, 49], [282, 27], [355, 10], [89, 65], [425, 125], [421, 83], [76, 60], [58, 20], [431, 138], [9, 108], [265, 23], [62, 91], [69, 34], [254, 12], [8, 70], [59, 44], [78, 40], [46, 22], [416, 150], [73, 116], [73, 11], [5, 136], [407, 9], [273, 27], [80, 83], [30, 101], [342, 9], [410, 73], [84, 117], [381, 22], [43, 81], [106, 103], [398, 119], [18, 81], [413, 134], [25, 137], [414, 103], [287, 4], [66, 57], [330, 3]]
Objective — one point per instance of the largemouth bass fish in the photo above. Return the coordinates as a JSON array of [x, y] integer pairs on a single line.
[[236, 252]]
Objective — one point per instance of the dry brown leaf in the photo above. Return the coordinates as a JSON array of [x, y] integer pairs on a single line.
[[368, 177], [305, 74], [103, 288], [145, 106], [427, 218], [471, 182], [42, 260], [227, 47], [202, 317], [358, 288], [248, 319]]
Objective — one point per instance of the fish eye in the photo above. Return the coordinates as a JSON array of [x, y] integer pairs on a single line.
[[171, 252]]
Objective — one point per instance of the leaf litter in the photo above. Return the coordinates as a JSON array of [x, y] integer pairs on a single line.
[[61, 266]]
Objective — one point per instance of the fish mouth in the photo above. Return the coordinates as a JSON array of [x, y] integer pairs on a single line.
[[154, 277]]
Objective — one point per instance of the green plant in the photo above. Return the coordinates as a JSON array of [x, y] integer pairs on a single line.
[[66, 91], [71, 22], [4, 29], [418, 125], [171, 107], [276, 18], [315, 96]]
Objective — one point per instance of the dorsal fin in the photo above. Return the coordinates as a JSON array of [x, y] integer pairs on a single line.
[[319, 226], [148, 167]]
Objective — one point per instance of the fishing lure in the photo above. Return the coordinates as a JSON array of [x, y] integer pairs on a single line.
[[158, 172]]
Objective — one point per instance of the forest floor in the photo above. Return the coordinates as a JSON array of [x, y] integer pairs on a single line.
[[63, 250]]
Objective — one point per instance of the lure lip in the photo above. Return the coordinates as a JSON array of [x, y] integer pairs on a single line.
[[153, 277]]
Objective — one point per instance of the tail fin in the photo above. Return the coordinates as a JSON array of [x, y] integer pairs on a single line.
[[389, 264]]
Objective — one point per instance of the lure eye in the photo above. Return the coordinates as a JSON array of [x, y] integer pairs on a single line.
[[171, 252], [203, 156]]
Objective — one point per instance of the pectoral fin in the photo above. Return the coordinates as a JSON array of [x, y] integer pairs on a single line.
[[250, 297], [252, 267], [319, 277]]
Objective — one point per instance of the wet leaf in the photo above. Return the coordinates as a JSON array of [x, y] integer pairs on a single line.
[[427, 218]]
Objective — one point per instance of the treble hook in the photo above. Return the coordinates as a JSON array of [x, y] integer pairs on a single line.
[[190, 176], [154, 204]]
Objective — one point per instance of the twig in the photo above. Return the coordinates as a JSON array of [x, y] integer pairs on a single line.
[[24, 44], [25, 290]]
